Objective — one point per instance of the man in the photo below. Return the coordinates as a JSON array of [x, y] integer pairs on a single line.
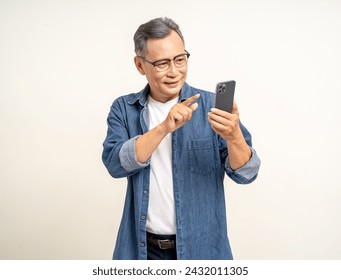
[[174, 148]]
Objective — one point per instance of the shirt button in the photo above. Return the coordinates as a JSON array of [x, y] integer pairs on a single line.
[[142, 244], [143, 217], [145, 192]]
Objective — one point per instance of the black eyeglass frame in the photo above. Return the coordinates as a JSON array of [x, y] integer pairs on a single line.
[[165, 59]]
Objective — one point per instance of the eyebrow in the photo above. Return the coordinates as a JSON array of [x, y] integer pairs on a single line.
[[169, 58]]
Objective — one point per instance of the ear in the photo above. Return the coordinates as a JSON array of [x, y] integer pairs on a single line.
[[139, 65]]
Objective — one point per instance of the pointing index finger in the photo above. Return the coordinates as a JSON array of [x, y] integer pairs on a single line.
[[191, 99]]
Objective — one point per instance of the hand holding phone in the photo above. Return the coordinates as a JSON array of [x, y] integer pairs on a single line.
[[224, 95]]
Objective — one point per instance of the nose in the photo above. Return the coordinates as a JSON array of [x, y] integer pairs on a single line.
[[173, 71]]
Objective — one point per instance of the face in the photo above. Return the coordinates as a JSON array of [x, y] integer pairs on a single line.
[[164, 86]]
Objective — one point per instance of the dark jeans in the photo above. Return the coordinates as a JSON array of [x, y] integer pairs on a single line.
[[155, 253]]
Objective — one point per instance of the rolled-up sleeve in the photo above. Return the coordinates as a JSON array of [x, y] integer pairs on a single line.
[[119, 152], [128, 158], [248, 172]]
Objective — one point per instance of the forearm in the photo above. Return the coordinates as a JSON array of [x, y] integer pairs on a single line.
[[148, 142], [239, 152]]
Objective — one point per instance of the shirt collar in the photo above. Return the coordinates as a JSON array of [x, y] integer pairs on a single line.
[[140, 97], [185, 93]]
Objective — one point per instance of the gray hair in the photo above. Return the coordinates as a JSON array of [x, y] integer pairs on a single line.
[[153, 29]]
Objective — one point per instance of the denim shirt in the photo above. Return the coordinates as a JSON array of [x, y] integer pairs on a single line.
[[199, 162]]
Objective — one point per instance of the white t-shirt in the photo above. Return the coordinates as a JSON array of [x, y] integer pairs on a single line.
[[161, 208]]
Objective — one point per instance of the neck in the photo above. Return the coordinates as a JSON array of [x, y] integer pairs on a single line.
[[162, 98]]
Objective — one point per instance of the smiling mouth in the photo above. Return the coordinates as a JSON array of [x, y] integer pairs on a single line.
[[171, 83]]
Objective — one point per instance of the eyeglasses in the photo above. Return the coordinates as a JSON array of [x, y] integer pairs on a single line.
[[163, 65]]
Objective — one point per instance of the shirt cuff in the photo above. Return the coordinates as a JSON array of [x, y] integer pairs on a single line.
[[248, 172], [128, 158]]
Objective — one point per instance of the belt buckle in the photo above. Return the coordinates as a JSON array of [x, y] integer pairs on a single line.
[[165, 244]]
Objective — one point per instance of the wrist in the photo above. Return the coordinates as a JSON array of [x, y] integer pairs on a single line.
[[236, 139], [162, 129]]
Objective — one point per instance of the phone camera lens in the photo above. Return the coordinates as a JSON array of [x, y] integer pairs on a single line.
[[221, 88]]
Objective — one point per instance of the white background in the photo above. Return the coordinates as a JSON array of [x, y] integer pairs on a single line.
[[62, 63]]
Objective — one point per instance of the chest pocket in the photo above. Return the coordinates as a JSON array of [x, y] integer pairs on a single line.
[[203, 157]]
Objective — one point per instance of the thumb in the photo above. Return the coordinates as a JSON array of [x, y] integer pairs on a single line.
[[235, 108]]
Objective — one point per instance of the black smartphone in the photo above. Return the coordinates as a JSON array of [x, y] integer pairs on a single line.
[[224, 95]]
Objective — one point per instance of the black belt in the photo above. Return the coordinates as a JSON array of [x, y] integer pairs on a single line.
[[163, 242]]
